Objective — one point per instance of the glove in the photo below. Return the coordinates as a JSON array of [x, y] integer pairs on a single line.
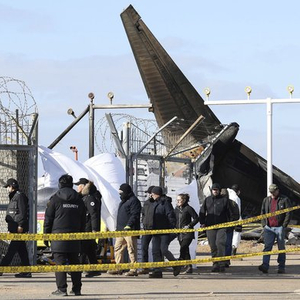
[[46, 243], [186, 227], [127, 228], [238, 228]]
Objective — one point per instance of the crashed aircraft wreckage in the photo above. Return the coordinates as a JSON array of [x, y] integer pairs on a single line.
[[222, 158]]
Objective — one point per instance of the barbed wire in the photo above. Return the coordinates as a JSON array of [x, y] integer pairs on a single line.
[[17, 106]]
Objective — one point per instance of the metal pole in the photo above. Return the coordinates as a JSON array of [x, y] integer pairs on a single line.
[[269, 145], [91, 126]]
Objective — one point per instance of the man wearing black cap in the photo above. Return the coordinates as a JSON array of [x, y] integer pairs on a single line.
[[128, 218], [17, 218], [92, 201], [216, 210], [274, 227], [163, 218], [147, 221], [65, 213]]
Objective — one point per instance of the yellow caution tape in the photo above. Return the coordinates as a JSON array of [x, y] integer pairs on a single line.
[[117, 267], [114, 234]]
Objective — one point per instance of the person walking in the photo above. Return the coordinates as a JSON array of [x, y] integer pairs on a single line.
[[65, 213], [92, 201], [147, 221], [17, 219], [216, 210], [274, 227], [128, 218], [163, 218], [187, 218]]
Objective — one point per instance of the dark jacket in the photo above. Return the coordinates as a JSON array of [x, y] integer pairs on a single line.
[[163, 215], [17, 213], [282, 203], [92, 201], [65, 212], [186, 216], [215, 210], [147, 214], [129, 212]]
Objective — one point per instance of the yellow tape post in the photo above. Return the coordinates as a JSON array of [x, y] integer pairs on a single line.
[[126, 266], [114, 234]]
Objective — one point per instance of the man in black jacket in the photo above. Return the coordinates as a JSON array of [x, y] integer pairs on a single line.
[[92, 201], [274, 227], [17, 218], [128, 218], [147, 221], [215, 210], [65, 213], [163, 218]]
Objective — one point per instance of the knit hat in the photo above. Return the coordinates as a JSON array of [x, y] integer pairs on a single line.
[[126, 188], [65, 181], [235, 187], [157, 190]]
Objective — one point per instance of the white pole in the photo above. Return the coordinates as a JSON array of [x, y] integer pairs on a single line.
[[269, 145]]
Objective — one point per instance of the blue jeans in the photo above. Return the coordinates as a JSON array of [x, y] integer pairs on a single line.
[[270, 234]]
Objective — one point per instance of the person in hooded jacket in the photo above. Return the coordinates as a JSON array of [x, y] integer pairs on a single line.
[[187, 218], [216, 209], [65, 213], [17, 218], [128, 218], [163, 218], [92, 201]]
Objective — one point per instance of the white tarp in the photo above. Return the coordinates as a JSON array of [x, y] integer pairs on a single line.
[[105, 170]]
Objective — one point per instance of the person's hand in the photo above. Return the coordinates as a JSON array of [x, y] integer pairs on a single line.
[[46, 243], [127, 228], [20, 229], [186, 227]]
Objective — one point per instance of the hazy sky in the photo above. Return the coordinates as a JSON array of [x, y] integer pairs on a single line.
[[65, 49]]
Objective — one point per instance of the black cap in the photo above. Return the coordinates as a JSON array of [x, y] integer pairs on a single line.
[[82, 181], [216, 186], [12, 182], [157, 190], [149, 189], [65, 181], [126, 188]]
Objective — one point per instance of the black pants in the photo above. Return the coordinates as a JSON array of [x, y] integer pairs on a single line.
[[160, 245], [146, 239], [13, 248], [184, 249], [88, 250], [61, 277]]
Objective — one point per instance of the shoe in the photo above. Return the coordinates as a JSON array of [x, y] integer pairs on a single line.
[[23, 275], [263, 269], [59, 293], [227, 265], [215, 269], [143, 271], [281, 271], [188, 270], [176, 270], [114, 272], [92, 274], [131, 273], [73, 293], [155, 275]]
